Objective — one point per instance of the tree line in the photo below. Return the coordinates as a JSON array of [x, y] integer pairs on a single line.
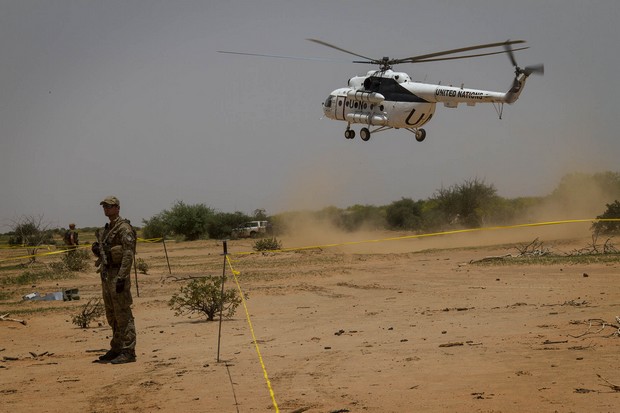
[[472, 203]]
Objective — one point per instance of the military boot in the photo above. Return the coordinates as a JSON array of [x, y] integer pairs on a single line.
[[124, 357], [107, 357]]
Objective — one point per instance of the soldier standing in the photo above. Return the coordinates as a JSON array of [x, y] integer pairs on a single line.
[[71, 237], [115, 249]]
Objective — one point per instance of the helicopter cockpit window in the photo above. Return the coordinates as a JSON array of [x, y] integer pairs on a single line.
[[328, 101]]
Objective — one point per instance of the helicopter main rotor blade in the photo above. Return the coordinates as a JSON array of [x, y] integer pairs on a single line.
[[511, 55], [456, 57], [343, 50], [528, 70], [386, 63], [414, 59], [285, 57]]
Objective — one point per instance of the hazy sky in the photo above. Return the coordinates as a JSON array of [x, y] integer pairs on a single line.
[[131, 98]]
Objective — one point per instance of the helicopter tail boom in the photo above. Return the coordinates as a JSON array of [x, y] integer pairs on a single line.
[[451, 96], [515, 91]]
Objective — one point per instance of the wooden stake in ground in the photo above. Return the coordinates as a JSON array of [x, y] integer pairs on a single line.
[[219, 331], [5, 317], [163, 240]]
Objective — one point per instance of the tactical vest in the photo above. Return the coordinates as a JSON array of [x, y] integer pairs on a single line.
[[113, 240]]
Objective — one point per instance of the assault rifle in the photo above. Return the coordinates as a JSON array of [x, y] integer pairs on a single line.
[[103, 259]]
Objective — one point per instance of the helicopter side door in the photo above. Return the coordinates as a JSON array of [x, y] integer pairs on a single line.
[[340, 105]]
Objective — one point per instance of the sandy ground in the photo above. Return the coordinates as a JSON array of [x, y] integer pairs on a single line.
[[388, 326]]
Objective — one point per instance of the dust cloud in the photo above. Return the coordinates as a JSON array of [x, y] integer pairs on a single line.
[[304, 230], [323, 183]]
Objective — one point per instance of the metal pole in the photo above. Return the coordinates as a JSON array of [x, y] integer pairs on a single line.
[[219, 333], [163, 239]]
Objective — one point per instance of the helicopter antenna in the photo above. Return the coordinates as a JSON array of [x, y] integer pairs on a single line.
[[499, 108]]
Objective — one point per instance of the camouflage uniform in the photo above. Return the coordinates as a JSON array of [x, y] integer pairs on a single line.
[[71, 236], [71, 239], [119, 242]]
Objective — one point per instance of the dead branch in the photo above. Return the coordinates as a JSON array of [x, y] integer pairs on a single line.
[[612, 386], [452, 344], [609, 248], [580, 347], [178, 279], [89, 311], [555, 342], [525, 248], [5, 317], [594, 248], [598, 322], [301, 409], [35, 355], [491, 258], [533, 248]]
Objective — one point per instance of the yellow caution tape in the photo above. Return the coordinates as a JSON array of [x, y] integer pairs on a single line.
[[64, 249], [459, 231], [149, 239], [61, 251], [434, 234], [247, 315]]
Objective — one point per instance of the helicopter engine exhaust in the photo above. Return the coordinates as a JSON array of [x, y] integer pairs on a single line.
[[362, 96]]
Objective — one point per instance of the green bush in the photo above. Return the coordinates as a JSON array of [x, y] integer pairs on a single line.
[[155, 227], [204, 296], [267, 244], [142, 266], [466, 204], [88, 312], [404, 214], [364, 216], [190, 221], [608, 228], [76, 260], [223, 223], [30, 233]]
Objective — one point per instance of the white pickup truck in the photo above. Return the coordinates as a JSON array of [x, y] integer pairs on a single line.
[[252, 229]]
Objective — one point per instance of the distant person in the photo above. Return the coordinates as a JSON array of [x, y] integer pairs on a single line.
[[115, 249], [71, 237]]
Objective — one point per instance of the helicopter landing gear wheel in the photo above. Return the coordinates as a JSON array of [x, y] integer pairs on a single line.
[[349, 133], [365, 134], [420, 135]]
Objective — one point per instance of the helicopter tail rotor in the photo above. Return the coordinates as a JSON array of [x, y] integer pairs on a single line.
[[538, 69], [520, 74], [528, 70]]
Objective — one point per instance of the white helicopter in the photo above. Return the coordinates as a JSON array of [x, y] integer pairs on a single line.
[[386, 99]]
